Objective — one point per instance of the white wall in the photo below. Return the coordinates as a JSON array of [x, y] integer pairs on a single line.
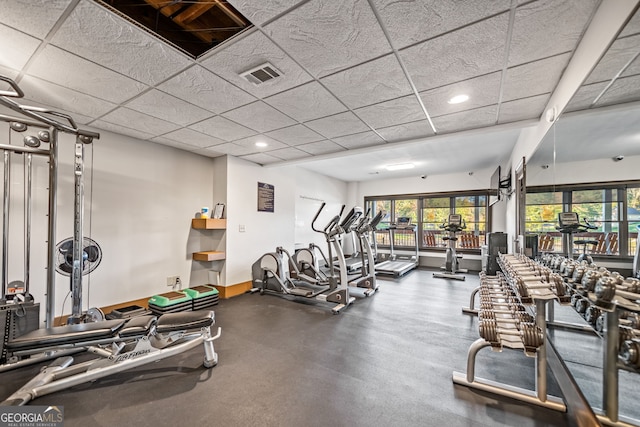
[[601, 170]]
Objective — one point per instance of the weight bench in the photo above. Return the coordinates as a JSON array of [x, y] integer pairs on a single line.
[[120, 344]]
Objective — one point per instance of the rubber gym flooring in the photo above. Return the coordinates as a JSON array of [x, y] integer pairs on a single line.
[[385, 361]]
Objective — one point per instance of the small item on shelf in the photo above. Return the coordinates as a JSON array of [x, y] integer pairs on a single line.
[[218, 211], [204, 212]]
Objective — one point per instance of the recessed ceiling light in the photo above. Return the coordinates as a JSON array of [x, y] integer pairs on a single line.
[[458, 99], [400, 166], [261, 144]]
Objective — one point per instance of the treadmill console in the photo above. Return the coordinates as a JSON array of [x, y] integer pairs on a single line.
[[404, 223], [455, 219]]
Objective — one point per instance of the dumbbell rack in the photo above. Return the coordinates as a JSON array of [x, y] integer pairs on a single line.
[[505, 323], [605, 292]]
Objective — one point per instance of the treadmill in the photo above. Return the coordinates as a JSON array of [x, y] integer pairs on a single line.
[[399, 265]]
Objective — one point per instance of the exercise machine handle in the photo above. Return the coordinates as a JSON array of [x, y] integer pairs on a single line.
[[15, 93], [313, 223]]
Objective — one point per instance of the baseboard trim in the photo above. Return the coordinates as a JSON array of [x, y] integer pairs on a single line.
[[227, 292]]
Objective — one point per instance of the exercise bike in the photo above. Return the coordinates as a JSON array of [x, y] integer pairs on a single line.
[[454, 225], [569, 224]]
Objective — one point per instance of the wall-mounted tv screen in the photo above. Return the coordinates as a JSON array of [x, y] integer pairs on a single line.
[[494, 187]]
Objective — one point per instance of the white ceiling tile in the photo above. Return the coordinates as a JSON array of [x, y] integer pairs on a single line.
[[548, 27], [251, 141], [409, 22], [369, 83], [321, 147], [523, 109], [585, 95], [306, 102], [99, 35], [407, 131], [364, 139], [338, 125], [470, 119], [139, 121], [58, 66], [259, 116], [204, 89], [232, 149], [261, 158], [8, 72], [326, 36], [624, 89], [633, 26], [190, 138], [633, 68], [289, 153], [390, 113], [54, 96], [295, 135], [534, 78], [171, 143], [209, 152], [34, 17], [458, 55], [260, 11], [250, 52], [78, 118], [166, 107], [618, 55], [17, 47], [122, 130], [482, 91], [222, 128]]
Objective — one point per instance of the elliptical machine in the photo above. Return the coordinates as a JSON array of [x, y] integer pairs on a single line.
[[569, 224], [454, 225]]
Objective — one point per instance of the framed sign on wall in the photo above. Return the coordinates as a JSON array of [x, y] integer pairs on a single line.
[[266, 197]]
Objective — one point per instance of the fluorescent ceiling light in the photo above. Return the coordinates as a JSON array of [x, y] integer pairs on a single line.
[[400, 166], [261, 144], [459, 99]]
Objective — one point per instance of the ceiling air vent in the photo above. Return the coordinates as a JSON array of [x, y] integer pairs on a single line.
[[261, 74]]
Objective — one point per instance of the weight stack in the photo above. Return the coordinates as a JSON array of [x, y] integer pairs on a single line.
[[16, 320], [497, 244]]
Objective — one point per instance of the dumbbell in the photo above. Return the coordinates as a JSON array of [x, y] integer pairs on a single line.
[[591, 314], [600, 322], [630, 352], [605, 288], [589, 279], [581, 305]]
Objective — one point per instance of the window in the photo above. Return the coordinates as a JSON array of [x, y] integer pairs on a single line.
[[474, 214], [633, 218], [541, 218]]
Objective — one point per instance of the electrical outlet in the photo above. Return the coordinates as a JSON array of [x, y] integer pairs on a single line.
[[173, 281]]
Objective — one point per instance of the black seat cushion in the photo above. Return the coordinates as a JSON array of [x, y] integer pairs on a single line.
[[184, 320], [138, 325], [68, 334]]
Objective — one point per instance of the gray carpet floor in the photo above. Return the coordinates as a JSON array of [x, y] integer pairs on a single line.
[[387, 360]]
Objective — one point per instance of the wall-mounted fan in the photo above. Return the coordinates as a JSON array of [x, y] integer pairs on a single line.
[[91, 257]]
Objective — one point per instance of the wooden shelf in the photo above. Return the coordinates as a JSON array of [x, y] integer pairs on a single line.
[[208, 256], [208, 224]]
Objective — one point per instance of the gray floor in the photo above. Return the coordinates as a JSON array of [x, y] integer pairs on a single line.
[[385, 361]]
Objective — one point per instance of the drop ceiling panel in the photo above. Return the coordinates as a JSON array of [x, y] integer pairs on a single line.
[[34, 17], [585, 96], [365, 139], [261, 158], [17, 48], [321, 147], [394, 112], [307, 102], [190, 138], [548, 27], [8, 72], [534, 78], [95, 33], [289, 153], [169, 108], [339, 125], [171, 143], [80, 119], [295, 135], [458, 55], [624, 89], [617, 57], [470, 119], [204, 89], [251, 141], [406, 131], [633, 68], [369, 83], [249, 52], [55, 96], [633, 26], [259, 116], [231, 149], [222, 128], [260, 11], [122, 130], [326, 36], [409, 22], [523, 109], [482, 91], [139, 121], [209, 152], [63, 68]]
